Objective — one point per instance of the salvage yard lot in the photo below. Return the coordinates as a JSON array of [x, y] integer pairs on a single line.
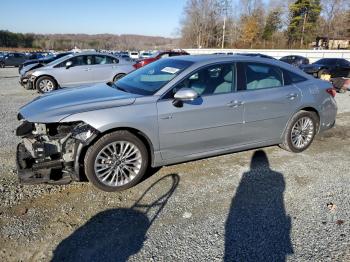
[[233, 207]]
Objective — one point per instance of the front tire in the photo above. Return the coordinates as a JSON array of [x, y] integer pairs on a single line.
[[117, 77], [300, 131], [117, 161], [45, 84], [2, 65]]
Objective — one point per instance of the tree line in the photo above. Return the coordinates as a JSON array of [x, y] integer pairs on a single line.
[[253, 24], [84, 41]]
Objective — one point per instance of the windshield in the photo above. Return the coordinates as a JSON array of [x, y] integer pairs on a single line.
[[149, 79], [59, 60], [49, 56]]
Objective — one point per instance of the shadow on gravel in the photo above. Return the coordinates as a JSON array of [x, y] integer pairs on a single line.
[[8, 77], [257, 227], [116, 234]]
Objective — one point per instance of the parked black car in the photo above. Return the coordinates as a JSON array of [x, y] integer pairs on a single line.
[[336, 67], [12, 59], [36, 55], [295, 60], [43, 60]]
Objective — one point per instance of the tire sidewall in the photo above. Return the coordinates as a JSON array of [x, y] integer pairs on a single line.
[[294, 119], [321, 72], [117, 77], [37, 84], [94, 149]]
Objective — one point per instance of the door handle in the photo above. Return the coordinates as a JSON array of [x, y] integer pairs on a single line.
[[166, 117], [87, 69], [235, 103], [292, 96]]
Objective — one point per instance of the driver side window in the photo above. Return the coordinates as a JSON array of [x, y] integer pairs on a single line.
[[210, 80]]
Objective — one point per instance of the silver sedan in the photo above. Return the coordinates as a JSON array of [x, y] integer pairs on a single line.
[[170, 111], [75, 70]]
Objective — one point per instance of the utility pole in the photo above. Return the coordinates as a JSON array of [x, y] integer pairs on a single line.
[[225, 3], [303, 28]]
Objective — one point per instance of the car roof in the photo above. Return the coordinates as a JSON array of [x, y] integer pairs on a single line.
[[90, 53], [203, 60], [219, 58]]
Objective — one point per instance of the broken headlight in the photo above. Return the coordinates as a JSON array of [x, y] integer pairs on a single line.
[[84, 133]]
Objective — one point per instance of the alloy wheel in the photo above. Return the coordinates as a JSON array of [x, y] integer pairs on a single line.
[[302, 132], [46, 85], [118, 163]]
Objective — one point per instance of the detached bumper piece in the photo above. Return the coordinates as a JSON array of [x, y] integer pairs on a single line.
[[30, 171], [26, 83]]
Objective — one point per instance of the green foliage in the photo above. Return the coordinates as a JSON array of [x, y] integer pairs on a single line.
[[9, 39], [273, 23], [304, 15]]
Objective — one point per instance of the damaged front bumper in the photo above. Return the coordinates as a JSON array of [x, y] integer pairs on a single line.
[[27, 81], [50, 153]]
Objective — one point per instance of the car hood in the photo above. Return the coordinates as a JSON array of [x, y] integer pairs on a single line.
[[29, 67], [55, 106], [38, 60]]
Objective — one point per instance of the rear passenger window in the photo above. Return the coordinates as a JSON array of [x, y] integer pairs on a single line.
[[102, 60], [261, 76], [81, 60], [292, 78]]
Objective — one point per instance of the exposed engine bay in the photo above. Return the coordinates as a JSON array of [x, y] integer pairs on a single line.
[[49, 153]]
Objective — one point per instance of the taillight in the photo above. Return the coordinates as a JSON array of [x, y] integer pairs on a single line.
[[331, 91]]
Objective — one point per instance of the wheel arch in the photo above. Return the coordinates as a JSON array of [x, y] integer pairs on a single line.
[[36, 79], [308, 109], [118, 74], [314, 110], [139, 134]]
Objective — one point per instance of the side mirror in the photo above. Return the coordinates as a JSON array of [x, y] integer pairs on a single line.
[[69, 64], [184, 94]]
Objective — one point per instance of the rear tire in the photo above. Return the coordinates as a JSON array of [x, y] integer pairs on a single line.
[[45, 84], [300, 131], [322, 72], [117, 161], [117, 77]]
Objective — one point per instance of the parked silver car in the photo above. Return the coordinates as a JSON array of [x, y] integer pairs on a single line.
[[77, 69], [170, 111]]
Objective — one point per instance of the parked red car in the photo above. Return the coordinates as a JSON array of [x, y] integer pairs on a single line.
[[155, 57]]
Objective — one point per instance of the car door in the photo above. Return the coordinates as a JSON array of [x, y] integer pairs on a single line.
[[211, 122], [16, 59], [78, 73], [10, 59], [268, 102], [344, 68], [104, 68]]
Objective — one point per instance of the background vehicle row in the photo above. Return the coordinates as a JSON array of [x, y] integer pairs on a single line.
[[76, 69]]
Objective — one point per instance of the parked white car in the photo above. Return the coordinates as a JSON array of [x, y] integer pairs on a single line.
[[134, 55]]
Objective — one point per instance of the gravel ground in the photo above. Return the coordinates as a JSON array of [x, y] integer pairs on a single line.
[[257, 205]]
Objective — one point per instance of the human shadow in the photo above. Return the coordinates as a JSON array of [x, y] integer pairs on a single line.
[[257, 227], [116, 234]]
